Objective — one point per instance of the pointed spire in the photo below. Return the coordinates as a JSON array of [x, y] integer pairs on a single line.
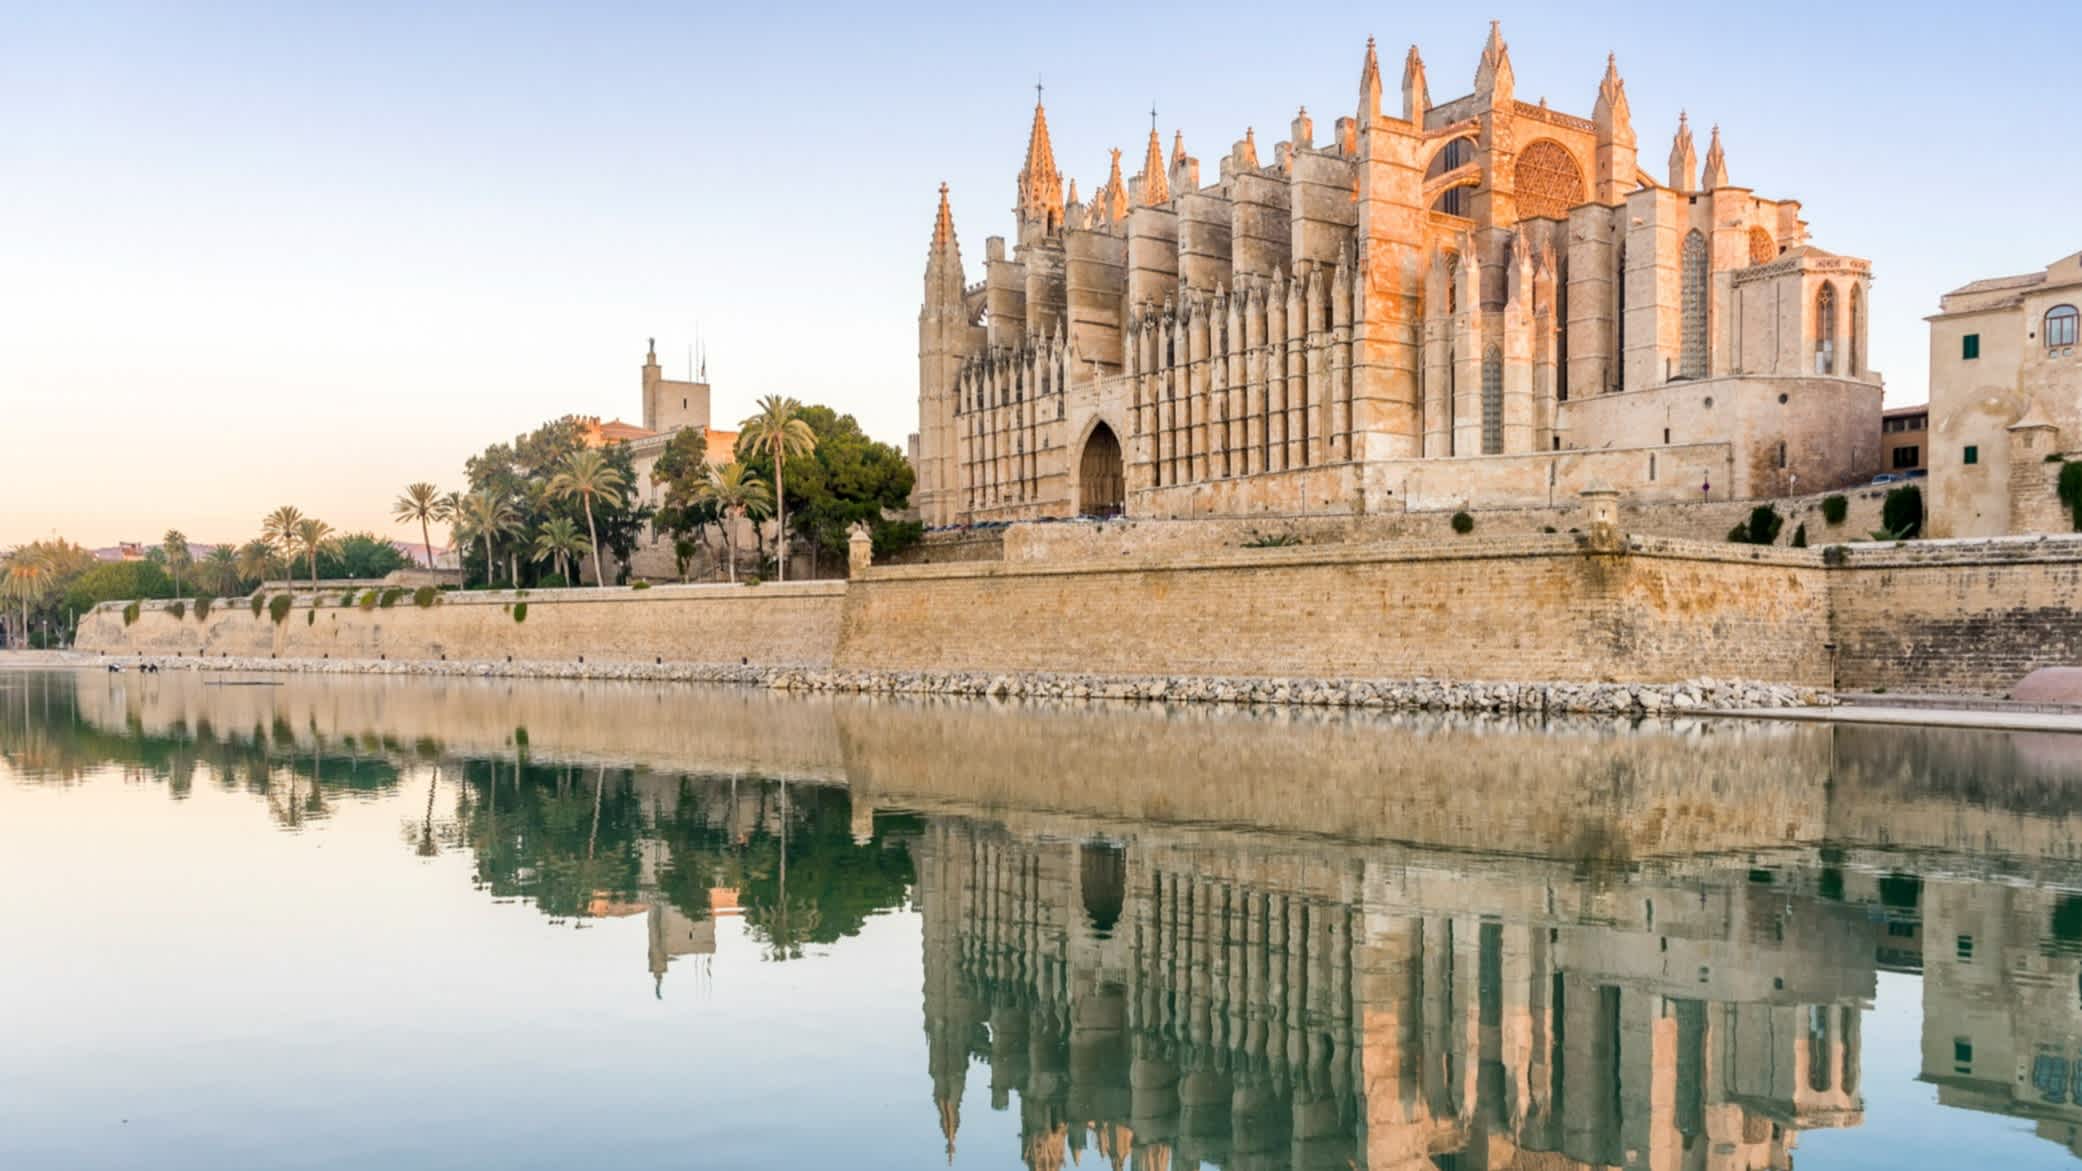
[[1684, 156], [1416, 92], [1369, 87], [1154, 189], [1178, 148], [1247, 154], [1493, 76], [943, 224], [1115, 200], [1614, 118], [1716, 175], [1040, 184], [1072, 196], [650, 357]]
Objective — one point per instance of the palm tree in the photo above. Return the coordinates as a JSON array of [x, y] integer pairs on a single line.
[[278, 528], [220, 570], [587, 474], [178, 557], [486, 515], [256, 558], [560, 540], [736, 491], [424, 503], [779, 430], [312, 535], [26, 580]]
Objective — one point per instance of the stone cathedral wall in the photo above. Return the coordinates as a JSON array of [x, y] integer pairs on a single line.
[[1963, 616]]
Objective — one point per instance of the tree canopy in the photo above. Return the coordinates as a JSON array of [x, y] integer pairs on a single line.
[[848, 477]]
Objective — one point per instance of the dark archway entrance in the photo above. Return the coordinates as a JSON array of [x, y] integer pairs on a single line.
[[1101, 484]]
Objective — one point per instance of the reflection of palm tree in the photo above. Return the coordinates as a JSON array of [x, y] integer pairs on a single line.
[[426, 827]]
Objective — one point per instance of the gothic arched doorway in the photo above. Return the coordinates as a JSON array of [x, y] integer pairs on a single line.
[[1101, 486]]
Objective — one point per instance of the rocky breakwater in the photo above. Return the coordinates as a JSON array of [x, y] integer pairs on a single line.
[[1694, 695]]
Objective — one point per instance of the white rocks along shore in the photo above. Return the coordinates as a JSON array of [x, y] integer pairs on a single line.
[[1692, 695]]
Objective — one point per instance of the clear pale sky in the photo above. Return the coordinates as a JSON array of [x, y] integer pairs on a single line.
[[263, 254]]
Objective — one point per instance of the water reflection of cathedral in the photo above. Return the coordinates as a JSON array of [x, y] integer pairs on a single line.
[[1475, 943], [1166, 1004]]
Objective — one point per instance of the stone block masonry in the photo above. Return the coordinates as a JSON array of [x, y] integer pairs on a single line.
[[1538, 608], [1965, 616], [773, 624], [1522, 614]]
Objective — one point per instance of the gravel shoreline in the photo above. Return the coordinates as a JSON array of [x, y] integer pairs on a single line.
[[1693, 695]]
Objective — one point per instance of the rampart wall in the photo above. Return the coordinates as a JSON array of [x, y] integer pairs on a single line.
[[1505, 609], [1958, 616], [795, 623]]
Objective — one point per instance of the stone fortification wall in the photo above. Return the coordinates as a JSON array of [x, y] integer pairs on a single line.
[[1939, 616], [1957, 616], [1707, 521], [1521, 608], [792, 624]]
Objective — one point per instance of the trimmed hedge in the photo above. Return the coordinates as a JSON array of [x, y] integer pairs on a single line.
[[1835, 508], [131, 611], [278, 607], [1463, 523], [520, 611], [425, 596]]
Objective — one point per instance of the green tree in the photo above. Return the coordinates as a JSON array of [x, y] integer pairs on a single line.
[[778, 431], [561, 542], [312, 537], [736, 492], [258, 560], [178, 556], [423, 503], [623, 517], [359, 555], [849, 478], [115, 581], [587, 476], [487, 516], [1901, 514], [219, 571], [34, 575], [683, 514]]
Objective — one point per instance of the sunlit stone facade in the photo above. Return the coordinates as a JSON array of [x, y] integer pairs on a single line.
[[1477, 302]]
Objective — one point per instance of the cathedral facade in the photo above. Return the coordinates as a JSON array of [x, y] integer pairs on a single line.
[[1474, 303]]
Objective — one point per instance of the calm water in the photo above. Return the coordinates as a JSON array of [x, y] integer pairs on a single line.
[[310, 923]]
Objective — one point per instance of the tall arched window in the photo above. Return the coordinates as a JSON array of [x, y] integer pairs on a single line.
[[1825, 329], [1855, 344], [1493, 401], [1691, 362], [2061, 321], [1619, 317]]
